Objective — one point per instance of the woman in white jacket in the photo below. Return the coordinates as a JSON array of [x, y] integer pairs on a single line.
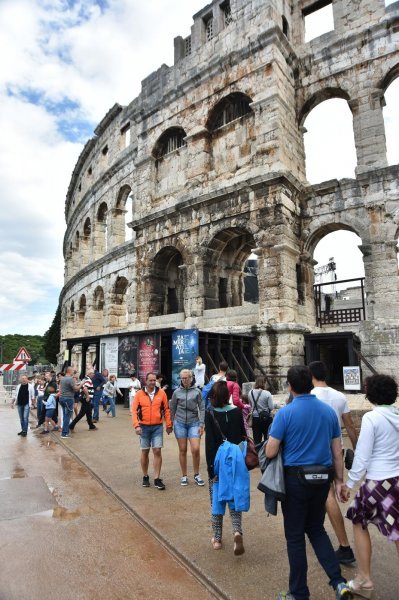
[[376, 458]]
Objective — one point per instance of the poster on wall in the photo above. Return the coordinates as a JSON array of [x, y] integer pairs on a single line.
[[127, 355], [352, 378], [184, 352], [109, 354], [148, 355]]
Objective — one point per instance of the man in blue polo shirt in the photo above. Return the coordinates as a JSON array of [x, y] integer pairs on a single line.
[[310, 436]]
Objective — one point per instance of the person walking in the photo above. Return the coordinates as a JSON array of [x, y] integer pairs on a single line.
[[109, 392], [86, 405], [339, 404], [68, 388], [50, 405], [98, 380], [224, 422], [150, 408], [261, 402], [24, 396], [187, 409], [376, 460], [133, 389], [199, 372], [310, 436]]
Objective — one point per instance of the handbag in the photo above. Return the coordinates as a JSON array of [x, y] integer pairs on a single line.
[[251, 457]]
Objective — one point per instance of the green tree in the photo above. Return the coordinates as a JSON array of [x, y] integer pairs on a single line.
[[11, 343], [52, 338]]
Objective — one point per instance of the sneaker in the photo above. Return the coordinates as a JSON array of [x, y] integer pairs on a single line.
[[285, 596], [20, 433], [94, 428], [56, 428], [146, 481], [44, 431], [345, 555], [159, 484], [198, 480], [95, 420], [343, 591], [23, 434], [65, 436], [184, 480]]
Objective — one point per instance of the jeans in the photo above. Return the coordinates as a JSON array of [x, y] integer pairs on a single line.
[[304, 512], [67, 411], [23, 412], [39, 407], [111, 408], [96, 403]]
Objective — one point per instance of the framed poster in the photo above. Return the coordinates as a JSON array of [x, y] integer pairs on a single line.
[[148, 355], [127, 355], [109, 354], [352, 379], [184, 352]]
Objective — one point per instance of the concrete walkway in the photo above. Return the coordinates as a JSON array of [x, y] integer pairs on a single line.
[[181, 515]]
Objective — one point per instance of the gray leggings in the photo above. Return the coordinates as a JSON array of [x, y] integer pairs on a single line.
[[217, 520]]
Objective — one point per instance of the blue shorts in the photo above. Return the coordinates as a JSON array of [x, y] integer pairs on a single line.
[[187, 431], [151, 436], [50, 412]]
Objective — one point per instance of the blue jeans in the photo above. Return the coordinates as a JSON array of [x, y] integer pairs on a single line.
[[67, 411], [304, 512], [111, 408], [96, 404], [23, 412]]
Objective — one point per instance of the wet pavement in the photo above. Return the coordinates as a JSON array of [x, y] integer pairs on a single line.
[[90, 545]]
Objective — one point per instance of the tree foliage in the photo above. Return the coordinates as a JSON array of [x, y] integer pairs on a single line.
[[10, 344], [52, 338]]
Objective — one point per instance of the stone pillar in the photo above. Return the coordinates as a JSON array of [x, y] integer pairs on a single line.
[[382, 283], [99, 244], [199, 159], [117, 228], [195, 302], [369, 131]]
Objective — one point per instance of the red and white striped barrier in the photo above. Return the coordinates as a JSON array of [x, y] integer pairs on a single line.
[[15, 366]]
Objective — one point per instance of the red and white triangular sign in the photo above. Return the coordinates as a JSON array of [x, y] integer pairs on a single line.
[[23, 355]]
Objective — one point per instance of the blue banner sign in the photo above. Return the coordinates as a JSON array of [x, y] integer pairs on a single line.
[[184, 352]]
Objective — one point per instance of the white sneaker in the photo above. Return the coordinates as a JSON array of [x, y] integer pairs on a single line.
[[198, 480], [184, 480]]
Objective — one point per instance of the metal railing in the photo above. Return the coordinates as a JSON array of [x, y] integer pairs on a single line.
[[326, 314]]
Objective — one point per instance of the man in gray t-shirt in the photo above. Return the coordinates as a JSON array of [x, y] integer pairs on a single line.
[[68, 387]]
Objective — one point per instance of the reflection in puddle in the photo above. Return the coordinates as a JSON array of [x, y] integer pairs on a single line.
[[19, 473]]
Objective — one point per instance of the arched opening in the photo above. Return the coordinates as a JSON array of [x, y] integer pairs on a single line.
[[86, 241], [231, 274], [172, 139], [167, 288], [102, 229], [98, 310], [71, 315], [123, 215], [391, 121], [119, 313], [232, 107], [82, 313], [329, 141]]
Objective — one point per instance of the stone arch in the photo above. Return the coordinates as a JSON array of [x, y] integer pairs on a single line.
[[167, 282], [97, 313], [390, 91], [101, 233], [389, 78], [228, 109], [225, 268], [118, 316], [328, 93], [170, 140], [85, 241], [98, 298], [320, 229], [122, 215]]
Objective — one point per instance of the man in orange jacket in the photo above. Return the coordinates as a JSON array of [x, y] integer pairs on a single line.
[[150, 407]]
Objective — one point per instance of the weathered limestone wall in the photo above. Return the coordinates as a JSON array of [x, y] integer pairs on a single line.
[[224, 191]]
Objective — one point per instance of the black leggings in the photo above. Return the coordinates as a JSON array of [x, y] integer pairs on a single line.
[[260, 429]]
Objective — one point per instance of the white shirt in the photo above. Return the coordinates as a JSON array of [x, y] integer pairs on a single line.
[[199, 373], [335, 399], [135, 387], [377, 449]]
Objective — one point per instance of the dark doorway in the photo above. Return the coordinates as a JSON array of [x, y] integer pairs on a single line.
[[335, 350]]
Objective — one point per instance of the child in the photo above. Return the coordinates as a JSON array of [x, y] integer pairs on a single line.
[[50, 407]]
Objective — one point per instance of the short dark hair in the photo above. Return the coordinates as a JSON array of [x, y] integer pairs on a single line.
[[219, 395], [50, 388], [223, 366], [381, 389], [150, 373], [231, 375], [300, 379], [318, 370]]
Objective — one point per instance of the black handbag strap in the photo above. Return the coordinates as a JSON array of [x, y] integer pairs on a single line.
[[224, 438]]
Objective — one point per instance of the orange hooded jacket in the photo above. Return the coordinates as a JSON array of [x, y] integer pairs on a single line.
[[145, 412]]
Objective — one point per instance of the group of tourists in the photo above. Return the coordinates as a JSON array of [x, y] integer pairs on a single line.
[[300, 445]]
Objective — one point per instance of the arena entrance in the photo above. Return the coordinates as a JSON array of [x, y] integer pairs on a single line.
[[335, 350]]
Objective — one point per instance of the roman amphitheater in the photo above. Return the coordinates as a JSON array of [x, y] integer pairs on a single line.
[[190, 207]]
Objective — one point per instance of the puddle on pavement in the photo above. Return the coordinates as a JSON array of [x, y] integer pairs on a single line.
[[64, 514]]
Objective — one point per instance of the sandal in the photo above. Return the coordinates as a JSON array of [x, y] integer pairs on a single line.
[[238, 544], [216, 544], [357, 588]]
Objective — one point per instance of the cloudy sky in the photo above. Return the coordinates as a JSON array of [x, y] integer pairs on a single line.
[[64, 64]]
